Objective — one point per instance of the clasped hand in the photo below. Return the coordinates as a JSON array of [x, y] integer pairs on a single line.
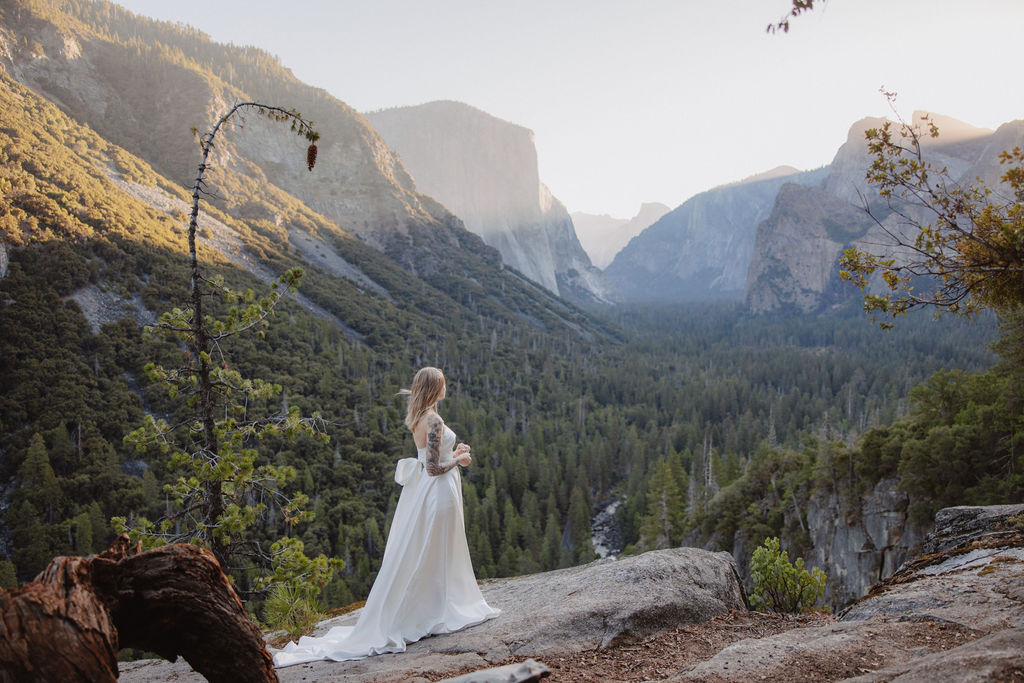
[[462, 455]]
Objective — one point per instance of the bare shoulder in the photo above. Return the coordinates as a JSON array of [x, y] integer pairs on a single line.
[[433, 423], [428, 425]]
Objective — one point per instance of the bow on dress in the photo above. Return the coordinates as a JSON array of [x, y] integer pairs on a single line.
[[407, 469]]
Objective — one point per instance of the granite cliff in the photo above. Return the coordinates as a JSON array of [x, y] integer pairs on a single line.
[[953, 613], [797, 249], [860, 547], [795, 260], [484, 170], [856, 538], [701, 249]]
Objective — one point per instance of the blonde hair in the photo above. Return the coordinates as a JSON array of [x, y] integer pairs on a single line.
[[427, 390]]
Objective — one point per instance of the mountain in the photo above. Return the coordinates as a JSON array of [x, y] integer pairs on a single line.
[[603, 236], [798, 247], [846, 177], [795, 262], [484, 170], [701, 249], [142, 84]]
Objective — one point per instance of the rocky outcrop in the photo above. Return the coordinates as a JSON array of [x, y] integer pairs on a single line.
[[702, 249], [856, 539], [581, 608], [957, 614], [859, 545], [604, 236], [484, 170], [101, 307], [962, 526]]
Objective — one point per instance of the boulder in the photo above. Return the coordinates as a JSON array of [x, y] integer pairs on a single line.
[[958, 526]]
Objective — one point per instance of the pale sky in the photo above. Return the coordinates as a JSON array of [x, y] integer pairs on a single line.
[[644, 100]]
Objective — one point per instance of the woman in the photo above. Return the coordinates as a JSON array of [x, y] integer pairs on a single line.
[[426, 583]]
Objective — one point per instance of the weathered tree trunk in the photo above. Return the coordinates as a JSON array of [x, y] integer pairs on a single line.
[[70, 621], [55, 629]]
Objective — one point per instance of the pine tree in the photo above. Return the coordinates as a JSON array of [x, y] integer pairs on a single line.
[[579, 518], [82, 525], [220, 496], [37, 481], [664, 519], [552, 547], [31, 538]]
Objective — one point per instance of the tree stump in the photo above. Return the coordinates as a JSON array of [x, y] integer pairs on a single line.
[[69, 622]]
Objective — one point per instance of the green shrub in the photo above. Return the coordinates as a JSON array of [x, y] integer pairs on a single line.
[[291, 608], [780, 586]]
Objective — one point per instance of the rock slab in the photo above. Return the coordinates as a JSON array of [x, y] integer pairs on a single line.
[[958, 526], [957, 614], [580, 608]]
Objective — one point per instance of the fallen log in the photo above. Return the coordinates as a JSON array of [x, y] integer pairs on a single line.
[[71, 620], [54, 628]]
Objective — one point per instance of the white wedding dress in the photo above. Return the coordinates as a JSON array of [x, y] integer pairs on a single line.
[[425, 584]]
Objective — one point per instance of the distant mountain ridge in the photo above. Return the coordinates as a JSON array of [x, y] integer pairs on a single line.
[[773, 240], [484, 169], [701, 249], [603, 236], [777, 172], [795, 260]]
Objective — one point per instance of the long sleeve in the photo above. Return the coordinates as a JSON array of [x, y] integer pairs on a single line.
[[436, 462]]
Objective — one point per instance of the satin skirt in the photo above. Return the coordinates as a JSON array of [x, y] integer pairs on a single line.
[[426, 583]]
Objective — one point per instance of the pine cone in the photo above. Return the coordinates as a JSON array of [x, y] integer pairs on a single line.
[[311, 156]]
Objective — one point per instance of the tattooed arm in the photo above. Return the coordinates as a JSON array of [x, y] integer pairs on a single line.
[[435, 464]]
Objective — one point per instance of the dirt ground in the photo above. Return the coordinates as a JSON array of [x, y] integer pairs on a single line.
[[665, 655]]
